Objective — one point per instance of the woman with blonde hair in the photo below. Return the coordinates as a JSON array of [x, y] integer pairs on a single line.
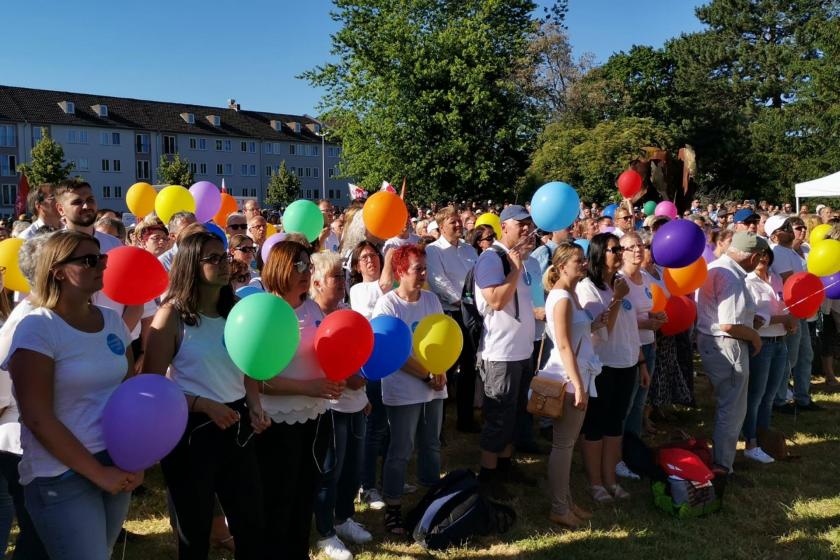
[[573, 361]]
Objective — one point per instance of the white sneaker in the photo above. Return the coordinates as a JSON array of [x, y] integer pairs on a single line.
[[758, 454], [622, 470], [354, 532], [373, 499], [334, 549], [409, 488]]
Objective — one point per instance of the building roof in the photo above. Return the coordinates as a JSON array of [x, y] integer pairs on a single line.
[[39, 106]]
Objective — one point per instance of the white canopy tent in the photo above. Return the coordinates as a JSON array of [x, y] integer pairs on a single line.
[[823, 187]]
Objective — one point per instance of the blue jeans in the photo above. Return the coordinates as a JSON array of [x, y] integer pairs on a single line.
[[340, 479], [636, 412], [800, 357], [767, 369], [410, 423], [376, 434], [76, 519]]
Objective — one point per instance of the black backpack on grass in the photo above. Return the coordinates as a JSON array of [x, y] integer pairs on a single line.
[[473, 320], [452, 512]]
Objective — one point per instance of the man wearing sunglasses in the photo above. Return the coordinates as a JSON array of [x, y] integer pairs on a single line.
[[236, 223], [746, 220]]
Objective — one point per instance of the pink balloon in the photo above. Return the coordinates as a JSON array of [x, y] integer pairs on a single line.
[[269, 243], [666, 208], [208, 200]]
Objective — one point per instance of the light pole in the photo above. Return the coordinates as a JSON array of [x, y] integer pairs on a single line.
[[322, 133]]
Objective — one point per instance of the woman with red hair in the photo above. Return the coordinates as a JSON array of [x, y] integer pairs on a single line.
[[413, 397]]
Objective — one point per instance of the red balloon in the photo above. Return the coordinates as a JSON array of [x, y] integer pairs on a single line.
[[681, 312], [133, 276], [803, 294], [343, 343], [629, 183]]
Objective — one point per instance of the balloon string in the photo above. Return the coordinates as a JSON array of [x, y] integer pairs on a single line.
[[824, 288]]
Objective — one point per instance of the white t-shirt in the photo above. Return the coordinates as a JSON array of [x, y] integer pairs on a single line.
[[786, 260], [619, 348], [504, 338], [641, 297], [291, 409], [395, 242], [88, 367], [106, 242], [588, 363], [351, 400], [363, 297], [401, 387], [202, 365], [769, 301]]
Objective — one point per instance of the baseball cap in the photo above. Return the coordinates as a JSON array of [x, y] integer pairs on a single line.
[[773, 223], [433, 225], [514, 212], [819, 207], [748, 242], [743, 215]]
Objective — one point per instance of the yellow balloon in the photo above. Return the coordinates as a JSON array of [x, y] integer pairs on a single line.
[[818, 234], [270, 230], [492, 220], [173, 199], [140, 199], [437, 342], [824, 258], [13, 278]]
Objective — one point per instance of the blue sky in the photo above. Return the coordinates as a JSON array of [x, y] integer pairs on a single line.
[[205, 52]]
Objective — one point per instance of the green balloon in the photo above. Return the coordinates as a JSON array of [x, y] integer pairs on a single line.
[[649, 208], [262, 335], [303, 216]]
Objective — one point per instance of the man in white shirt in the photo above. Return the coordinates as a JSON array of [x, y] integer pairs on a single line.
[[448, 260], [251, 208], [41, 203], [727, 335], [504, 299], [329, 240]]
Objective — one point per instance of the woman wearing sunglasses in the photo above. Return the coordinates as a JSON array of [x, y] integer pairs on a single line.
[[215, 457], [291, 452], [481, 238], [66, 358]]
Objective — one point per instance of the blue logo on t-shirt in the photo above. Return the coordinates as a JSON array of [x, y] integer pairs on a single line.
[[647, 293], [115, 344], [625, 303], [414, 325], [317, 323]]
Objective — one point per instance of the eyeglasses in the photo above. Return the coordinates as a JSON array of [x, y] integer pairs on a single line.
[[258, 226], [303, 266], [87, 261], [248, 249], [216, 259], [633, 247], [622, 218], [238, 226], [490, 238], [368, 257], [615, 250]]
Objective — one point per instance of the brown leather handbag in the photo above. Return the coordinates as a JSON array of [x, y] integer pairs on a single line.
[[547, 397]]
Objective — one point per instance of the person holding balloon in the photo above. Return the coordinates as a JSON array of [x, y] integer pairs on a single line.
[[215, 456], [412, 396], [292, 450], [615, 332], [66, 358], [340, 481]]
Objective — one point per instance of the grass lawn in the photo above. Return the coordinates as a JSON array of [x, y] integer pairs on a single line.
[[792, 512]]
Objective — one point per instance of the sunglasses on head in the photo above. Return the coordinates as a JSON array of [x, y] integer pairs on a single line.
[[238, 226], [87, 261]]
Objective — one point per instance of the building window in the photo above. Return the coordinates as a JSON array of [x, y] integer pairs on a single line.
[[314, 150], [330, 172], [308, 171], [117, 192], [267, 148], [254, 192], [169, 145], [9, 195], [300, 171], [218, 145], [268, 171], [106, 192], [220, 169], [252, 147], [202, 144], [83, 164], [243, 169], [106, 165], [297, 128], [203, 169], [243, 146], [252, 170], [228, 169], [36, 135], [244, 192], [109, 138], [228, 145], [331, 193], [142, 169], [117, 167], [315, 172], [193, 143], [193, 168], [77, 137], [7, 166], [115, 138], [83, 137], [7, 135], [141, 143], [292, 149]]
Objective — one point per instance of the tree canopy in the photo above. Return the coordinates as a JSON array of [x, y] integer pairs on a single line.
[[47, 164]]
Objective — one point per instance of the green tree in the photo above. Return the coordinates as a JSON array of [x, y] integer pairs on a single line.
[[174, 170], [428, 90], [283, 187], [47, 162]]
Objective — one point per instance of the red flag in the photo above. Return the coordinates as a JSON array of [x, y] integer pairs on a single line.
[[22, 193], [356, 192], [224, 188], [386, 186]]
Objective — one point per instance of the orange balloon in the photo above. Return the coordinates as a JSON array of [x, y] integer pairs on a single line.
[[229, 206], [682, 281], [385, 215], [660, 299]]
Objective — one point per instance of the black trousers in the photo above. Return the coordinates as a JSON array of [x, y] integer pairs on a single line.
[[28, 546], [291, 458], [465, 380], [209, 462]]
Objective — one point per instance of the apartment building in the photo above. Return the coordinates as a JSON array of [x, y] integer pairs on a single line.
[[115, 142]]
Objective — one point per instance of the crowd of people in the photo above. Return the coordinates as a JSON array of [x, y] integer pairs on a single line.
[[260, 460]]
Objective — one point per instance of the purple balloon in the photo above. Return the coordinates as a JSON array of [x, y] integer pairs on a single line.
[[678, 243], [832, 285], [208, 200], [143, 421], [269, 243], [709, 253]]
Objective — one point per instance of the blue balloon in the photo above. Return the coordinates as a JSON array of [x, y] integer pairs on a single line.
[[218, 232], [555, 206], [246, 291], [583, 244], [610, 211], [391, 347]]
